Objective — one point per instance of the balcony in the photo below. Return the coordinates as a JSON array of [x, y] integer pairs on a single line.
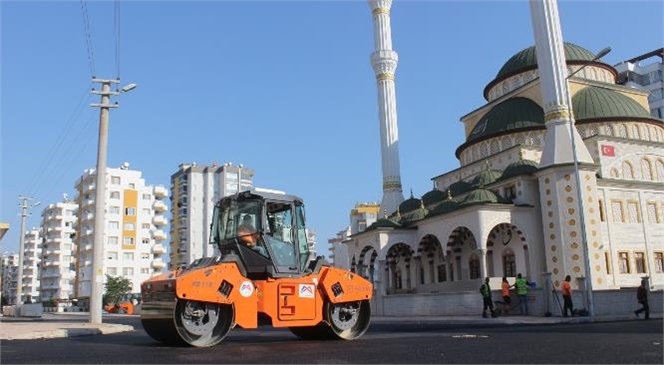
[[160, 192], [158, 264], [159, 235], [158, 249], [159, 206], [159, 220]]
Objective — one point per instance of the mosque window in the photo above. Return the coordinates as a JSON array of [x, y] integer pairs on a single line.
[[652, 212], [614, 173], [635, 132], [509, 263], [640, 262], [534, 141], [623, 262], [592, 131], [484, 150], [633, 212], [659, 166], [602, 215], [507, 143], [646, 169], [627, 171], [520, 139], [646, 134], [616, 209], [607, 262], [474, 265], [474, 155], [659, 262], [495, 148], [622, 131], [608, 130], [442, 273]]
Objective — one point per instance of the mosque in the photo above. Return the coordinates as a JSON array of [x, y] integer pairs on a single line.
[[561, 172]]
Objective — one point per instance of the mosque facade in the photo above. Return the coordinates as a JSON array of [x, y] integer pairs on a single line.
[[517, 204]]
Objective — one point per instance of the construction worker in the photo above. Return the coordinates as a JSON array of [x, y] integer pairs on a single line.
[[485, 290], [521, 285], [249, 237], [566, 289]]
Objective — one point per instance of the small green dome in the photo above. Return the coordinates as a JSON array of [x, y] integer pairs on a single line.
[[480, 196], [446, 206], [527, 58], [521, 167], [513, 113], [486, 177], [413, 216], [459, 187], [383, 223], [409, 205], [433, 196], [597, 102]]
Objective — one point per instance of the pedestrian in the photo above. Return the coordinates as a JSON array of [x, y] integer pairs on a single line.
[[506, 291], [485, 290], [521, 285], [566, 289], [642, 298]]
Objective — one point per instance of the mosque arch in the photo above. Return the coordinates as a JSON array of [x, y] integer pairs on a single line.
[[398, 268], [608, 130], [460, 245], [622, 130], [430, 256], [635, 131], [646, 169], [507, 251], [659, 167], [627, 171], [366, 263]]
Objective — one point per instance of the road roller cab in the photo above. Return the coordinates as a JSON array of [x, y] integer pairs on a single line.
[[263, 271]]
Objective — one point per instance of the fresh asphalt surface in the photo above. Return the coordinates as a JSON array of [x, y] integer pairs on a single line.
[[623, 342]]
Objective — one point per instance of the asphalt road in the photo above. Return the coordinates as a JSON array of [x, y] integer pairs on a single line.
[[625, 342]]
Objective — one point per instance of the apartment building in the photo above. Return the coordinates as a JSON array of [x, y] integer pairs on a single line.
[[31, 265], [57, 274], [134, 228], [646, 72], [9, 276], [194, 191]]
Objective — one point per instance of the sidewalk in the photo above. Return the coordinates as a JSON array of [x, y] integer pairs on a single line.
[[56, 325]]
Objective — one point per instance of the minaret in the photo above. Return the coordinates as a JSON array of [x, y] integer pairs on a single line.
[[384, 62], [568, 186]]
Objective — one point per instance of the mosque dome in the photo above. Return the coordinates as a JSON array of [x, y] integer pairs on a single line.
[[480, 196], [486, 177], [383, 223], [409, 205], [459, 187], [445, 206], [521, 167], [513, 113], [433, 196], [597, 102], [527, 59]]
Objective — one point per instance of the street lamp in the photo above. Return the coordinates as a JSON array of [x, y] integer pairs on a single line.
[[577, 176], [97, 278]]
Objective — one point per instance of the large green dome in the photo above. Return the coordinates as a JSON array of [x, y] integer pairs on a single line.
[[527, 58], [513, 113], [597, 102]]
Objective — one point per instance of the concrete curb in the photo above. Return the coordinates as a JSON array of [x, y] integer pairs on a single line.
[[80, 329]]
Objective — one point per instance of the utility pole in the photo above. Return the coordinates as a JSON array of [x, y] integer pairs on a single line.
[[97, 278], [4, 227], [25, 205]]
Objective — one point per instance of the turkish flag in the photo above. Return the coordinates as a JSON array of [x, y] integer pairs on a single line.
[[608, 151]]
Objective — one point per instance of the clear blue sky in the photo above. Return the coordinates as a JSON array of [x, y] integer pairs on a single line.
[[283, 87]]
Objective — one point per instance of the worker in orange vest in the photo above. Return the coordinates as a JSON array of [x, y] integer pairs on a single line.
[[566, 289]]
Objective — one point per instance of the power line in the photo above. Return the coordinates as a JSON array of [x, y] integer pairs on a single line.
[[88, 38], [117, 37]]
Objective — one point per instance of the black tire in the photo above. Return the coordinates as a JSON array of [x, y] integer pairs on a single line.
[[202, 324], [319, 332], [349, 320]]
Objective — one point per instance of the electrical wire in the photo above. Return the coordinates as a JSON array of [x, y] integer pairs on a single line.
[[88, 38], [117, 38]]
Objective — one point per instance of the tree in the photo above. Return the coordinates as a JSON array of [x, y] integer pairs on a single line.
[[116, 289]]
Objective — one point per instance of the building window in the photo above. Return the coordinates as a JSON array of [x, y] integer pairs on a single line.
[[623, 261], [145, 270], [130, 211], [128, 271], [646, 170], [627, 171], [640, 263], [659, 262], [115, 180], [145, 211], [509, 263], [128, 256], [474, 265], [622, 130], [113, 225], [145, 255], [608, 130], [114, 209], [128, 241], [112, 240], [111, 271], [129, 226], [132, 186], [115, 195], [652, 212], [112, 255], [147, 197], [616, 209], [633, 211], [602, 216], [510, 192], [607, 262], [659, 165], [146, 240], [421, 275], [145, 225]]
